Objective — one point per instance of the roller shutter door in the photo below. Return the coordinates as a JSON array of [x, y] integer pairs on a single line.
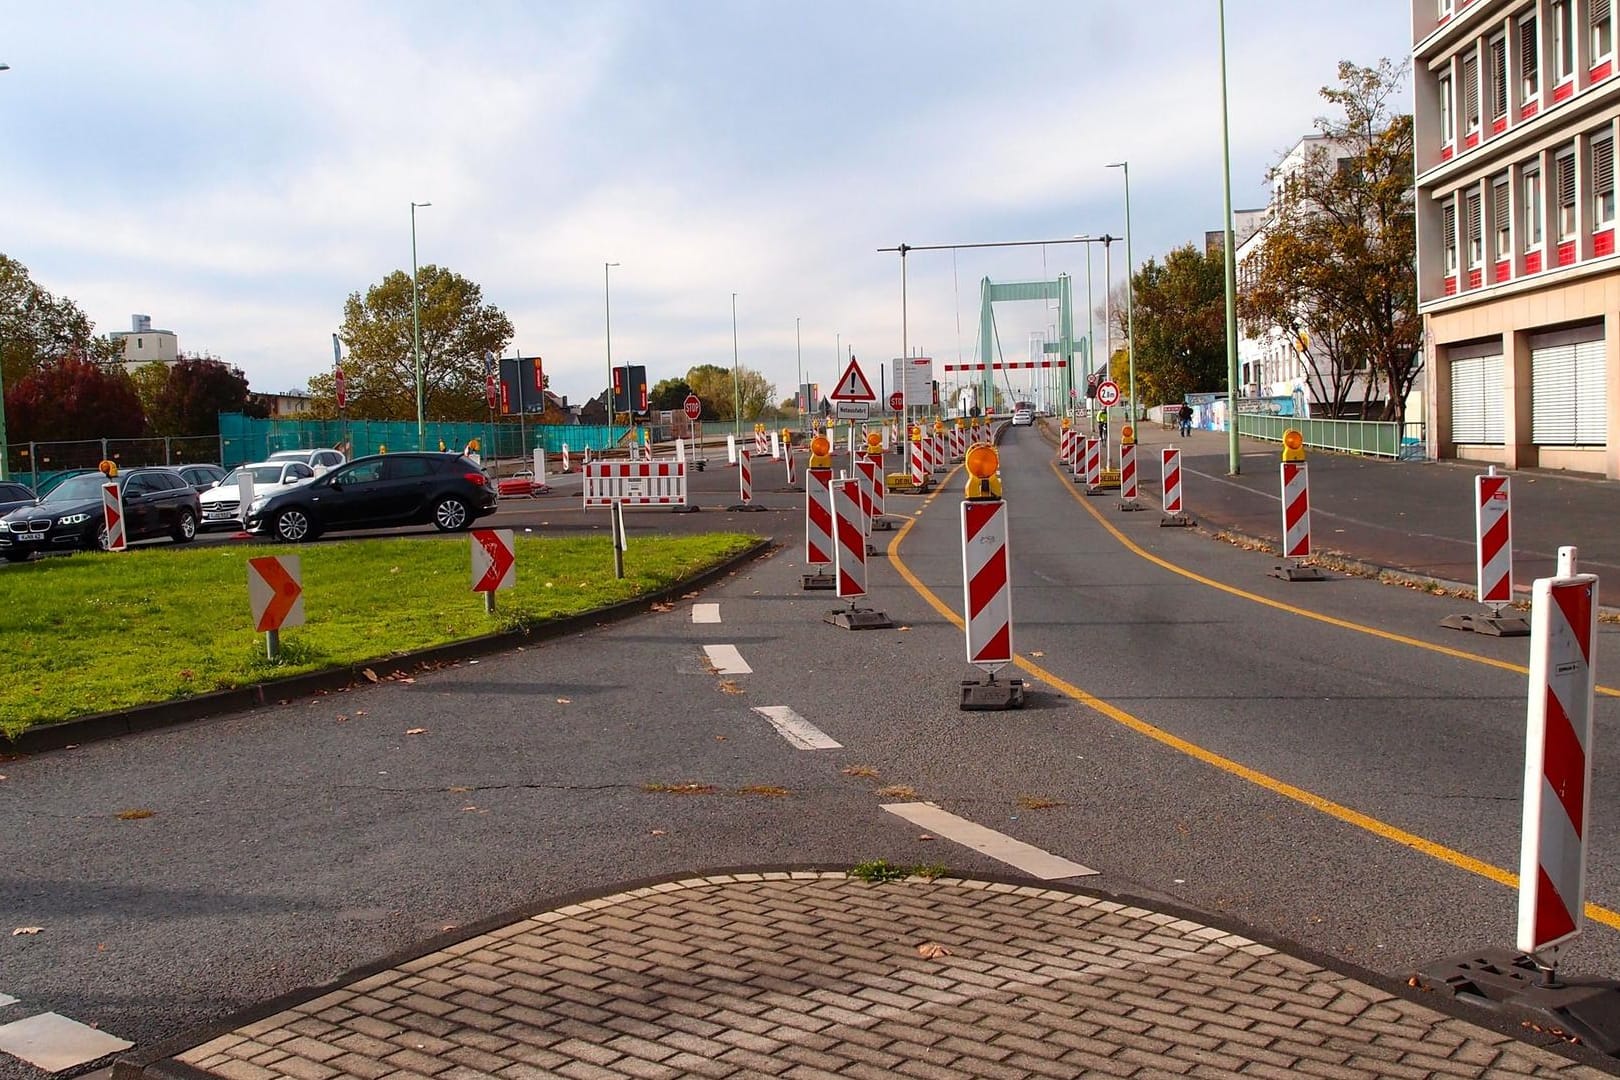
[[1569, 401], [1477, 415]]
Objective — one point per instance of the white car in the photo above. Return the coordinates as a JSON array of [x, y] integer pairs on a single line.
[[319, 460], [1023, 418], [221, 504]]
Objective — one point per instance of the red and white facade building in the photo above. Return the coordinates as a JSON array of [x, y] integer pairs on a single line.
[[1516, 110]]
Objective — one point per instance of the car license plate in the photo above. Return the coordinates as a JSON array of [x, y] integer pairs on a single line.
[[29, 536], [217, 514]]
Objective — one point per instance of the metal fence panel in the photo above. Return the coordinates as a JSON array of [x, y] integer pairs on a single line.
[[1372, 438], [245, 438]]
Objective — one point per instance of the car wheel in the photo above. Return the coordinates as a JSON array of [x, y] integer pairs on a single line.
[[99, 541], [294, 526], [451, 514], [17, 556], [185, 530]]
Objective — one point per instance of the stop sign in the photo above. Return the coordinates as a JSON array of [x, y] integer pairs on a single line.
[[692, 407], [897, 401], [342, 386]]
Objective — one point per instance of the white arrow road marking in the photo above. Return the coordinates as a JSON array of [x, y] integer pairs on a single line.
[[52, 1042], [705, 613], [726, 660], [1015, 853], [796, 729]]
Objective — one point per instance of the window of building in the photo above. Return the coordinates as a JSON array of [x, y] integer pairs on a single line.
[[1532, 209], [1448, 119], [1476, 228], [1470, 80], [1602, 183], [1529, 61], [1445, 9], [1564, 170], [1503, 219], [1448, 227], [1563, 20], [140, 343], [1498, 75], [1602, 30]]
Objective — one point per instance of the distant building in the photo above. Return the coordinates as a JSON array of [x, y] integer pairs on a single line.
[[1244, 223], [594, 411], [143, 345], [289, 405]]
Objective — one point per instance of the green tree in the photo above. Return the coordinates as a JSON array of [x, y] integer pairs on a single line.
[[196, 391], [149, 381], [69, 398], [1180, 325], [458, 329], [712, 384], [669, 394], [1335, 271], [37, 328]]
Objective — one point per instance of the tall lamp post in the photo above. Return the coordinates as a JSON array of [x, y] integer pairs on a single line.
[[1130, 288], [736, 394], [798, 388], [1234, 464], [3, 475], [416, 335], [607, 304]]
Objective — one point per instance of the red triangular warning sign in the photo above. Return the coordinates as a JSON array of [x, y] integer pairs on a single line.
[[852, 385]]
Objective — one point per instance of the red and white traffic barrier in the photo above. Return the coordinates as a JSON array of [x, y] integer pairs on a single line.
[[635, 483], [1093, 461], [880, 488], [745, 478], [958, 443], [1296, 504], [761, 446], [1066, 445], [1170, 478], [919, 465], [849, 543], [866, 473], [568, 466], [112, 516], [818, 519], [776, 445], [1558, 759], [1127, 472], [1493, 532], [986, 587], [787, 456], [940, 464]]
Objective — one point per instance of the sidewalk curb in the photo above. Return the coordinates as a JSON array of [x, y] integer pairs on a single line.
[[157, 1062], [112, 725]]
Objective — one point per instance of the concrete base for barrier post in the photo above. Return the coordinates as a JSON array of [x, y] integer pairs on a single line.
[[992, 695], [821, 580], [1294, 570], [1510, 982], [1494, 625], [1176, 521], [854, 618]]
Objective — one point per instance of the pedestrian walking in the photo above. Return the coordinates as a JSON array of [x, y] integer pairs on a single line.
[[1185, 414]]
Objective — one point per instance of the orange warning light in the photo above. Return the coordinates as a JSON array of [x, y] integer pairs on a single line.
[[1293, 446], [874, 441], [983, 461], [820, 447], [1065, 423], [1127, 435]]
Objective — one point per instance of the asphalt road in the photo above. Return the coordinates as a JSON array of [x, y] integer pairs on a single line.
[[290, 844]]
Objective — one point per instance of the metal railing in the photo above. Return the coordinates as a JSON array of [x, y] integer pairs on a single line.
[[1372, 438], [38, 463]]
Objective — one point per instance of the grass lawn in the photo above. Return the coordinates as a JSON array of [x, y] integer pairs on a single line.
[[91, 632]]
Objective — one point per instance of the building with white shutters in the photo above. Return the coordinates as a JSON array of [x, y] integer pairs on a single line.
[[1515, 108]]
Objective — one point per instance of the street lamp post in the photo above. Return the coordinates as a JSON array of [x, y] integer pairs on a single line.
[[1234, 464], [736, 393], [3, 474], [607, 304], [798, 387], [416, 335], [1130, 288]]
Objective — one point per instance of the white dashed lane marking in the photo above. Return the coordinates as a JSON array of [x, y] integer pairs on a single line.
[[796, 729], [726, 660], [7, 999], [1015, 853], [52, 1042], [705, 613]]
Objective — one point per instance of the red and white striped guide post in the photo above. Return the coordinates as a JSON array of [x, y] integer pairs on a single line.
[[940, 462], [919, 465], [986, 589], [1558, 758], [745, 478], [818, 518], [1127, 472], [112, 516], [880, 487], [1170, 466], [849, 546], [1296, 509], [1093, 461], [866, 474], [1493, 531], [958, 443], [1066, 445], [761, 447], [787, 456]]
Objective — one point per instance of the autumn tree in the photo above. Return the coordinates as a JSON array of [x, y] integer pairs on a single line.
[[722, 398], [69, 398], [1180, 325], [37, 328], [458, 329], [196, 391], [669, 394], [1335, 269]]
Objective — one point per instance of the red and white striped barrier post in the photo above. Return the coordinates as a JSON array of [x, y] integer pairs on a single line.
[[941, 464], [818, 519], [958, 442], [745, 484], [1129, 481], [787, 456], [731, 451], [1296, 512], [1558, 761], [849, 560], [1170, 484], [567, 465], [1493, 560], [1066, 443], [761, 445], [987, 586], [1093, 467], [866, 473], [919, 463]]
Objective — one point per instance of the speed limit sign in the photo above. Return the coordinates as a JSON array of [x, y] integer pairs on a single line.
[[1108, 393]]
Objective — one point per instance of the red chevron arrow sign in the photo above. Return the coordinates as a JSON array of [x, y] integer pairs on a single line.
[[275, 592], [494, 560]]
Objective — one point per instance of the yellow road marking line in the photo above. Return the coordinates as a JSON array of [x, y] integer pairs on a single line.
[[1349, 816]]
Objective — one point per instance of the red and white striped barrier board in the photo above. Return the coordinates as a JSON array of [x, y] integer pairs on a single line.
[[1493, 532], [1558, 760], [635, 483], [1066, 445], [1127, 472], [1093, 461], [941, 452], [866, 472], [986, 590], [1012, 365], [731, 451], [919, 465], [787, 456], [745, 478], [849, 544], [1170, 471], [776, 445], [761, 445], [958, 443], [494, 560], [880, 487], [1296, 504], [818, 519], [568, 466], [112, 516]]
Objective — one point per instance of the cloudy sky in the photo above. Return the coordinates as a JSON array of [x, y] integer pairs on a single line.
[[236, 169]]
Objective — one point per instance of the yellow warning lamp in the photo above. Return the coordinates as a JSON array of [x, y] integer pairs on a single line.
[[109, 469], [820, 452], [1065, 423], [1127, 435], [939, 427], [472, 445], [441, 446], [1293, 446], [983, 465], [382, 448], [959, 424], [787, 436], [874, 443], [916, 433]]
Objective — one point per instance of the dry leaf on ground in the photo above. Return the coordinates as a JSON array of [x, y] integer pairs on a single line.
[[369, 674], [416, 731], [565, 701], [932, 950], [859, 770], [729, 687], [898, 791], [135, 815], [26, 930]]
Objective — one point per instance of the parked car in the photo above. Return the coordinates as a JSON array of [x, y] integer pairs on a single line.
[[380, 491], [201, 477], [319, 460], [1023, 418], [157, 502], [221, 504], [15, 495]]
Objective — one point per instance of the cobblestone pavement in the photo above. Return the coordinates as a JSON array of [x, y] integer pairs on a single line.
[[822, 975]]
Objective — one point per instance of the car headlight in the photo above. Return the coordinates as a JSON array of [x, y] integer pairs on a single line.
[[74, 519], [258, 504]]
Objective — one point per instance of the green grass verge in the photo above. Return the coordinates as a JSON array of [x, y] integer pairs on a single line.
[[90, 633]]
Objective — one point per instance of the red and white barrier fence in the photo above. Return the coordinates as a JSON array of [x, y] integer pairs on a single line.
[[635, 483], [745, 478], [1493, 532], [1296, 510], [1558, 758]]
